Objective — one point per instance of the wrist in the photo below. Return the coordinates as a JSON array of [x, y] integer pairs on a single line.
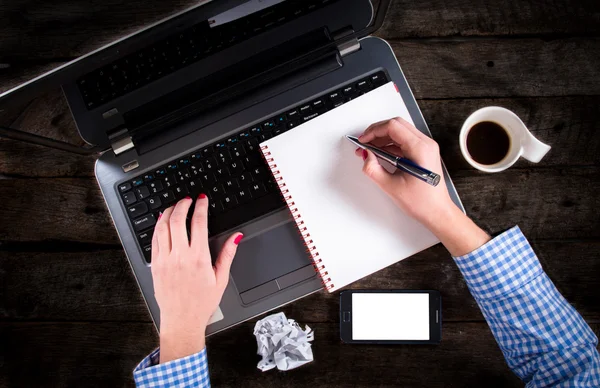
[[459, 234], [178, 341]]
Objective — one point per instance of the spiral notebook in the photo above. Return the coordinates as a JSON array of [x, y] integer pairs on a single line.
[[351, 228]]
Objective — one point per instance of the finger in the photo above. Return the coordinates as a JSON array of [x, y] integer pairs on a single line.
[[392, 149], [223, 263], [179, 237], [199, 232], [395, 130], [162, 233], [408, 126], [376, 172]]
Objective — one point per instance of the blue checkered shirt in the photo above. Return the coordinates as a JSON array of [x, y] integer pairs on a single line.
[[190, 371], [544, 340]]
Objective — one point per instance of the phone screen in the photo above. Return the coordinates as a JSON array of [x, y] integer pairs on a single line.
[[390, 316]]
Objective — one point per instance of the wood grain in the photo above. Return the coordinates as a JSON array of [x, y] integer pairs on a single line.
[[68, 29], [569, 124], [441, 18], [500, 68], [72, 286]]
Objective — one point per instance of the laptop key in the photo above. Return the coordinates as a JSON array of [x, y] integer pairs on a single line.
[[156, 187], [243, 195], [237, 151], [145, 222], [167, 197], [148, 177], [230, 201], [215, 207], [137, 210], [216, 191], [147, 250], [137, 182], [244, 179], [363, 85], [236, 167], [145, 237], [124, 187], [169, 181], [180, 192], [207, 179], [129, 198], [231, 184], [142, 192], [154, 202], [257, 189], [222, 172]]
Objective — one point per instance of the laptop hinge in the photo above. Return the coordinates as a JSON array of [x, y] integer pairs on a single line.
[[120, 141], [347, 42]]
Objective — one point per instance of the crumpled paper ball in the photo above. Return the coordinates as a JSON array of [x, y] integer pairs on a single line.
[[282, 343]]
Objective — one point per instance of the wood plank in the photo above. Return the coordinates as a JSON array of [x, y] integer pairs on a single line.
[[441, 18], [82, 354], [55, 209], [540, 201], [72, 286], [569, 124], [500, 68], [69, 29]]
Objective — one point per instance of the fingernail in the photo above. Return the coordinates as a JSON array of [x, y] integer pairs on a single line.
[[365, 154], [188, 197], [357, 148], [238, 239], [202, 196], [159, 215]]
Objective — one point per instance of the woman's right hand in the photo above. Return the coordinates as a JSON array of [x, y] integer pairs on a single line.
[[431, 206], [415, 197]]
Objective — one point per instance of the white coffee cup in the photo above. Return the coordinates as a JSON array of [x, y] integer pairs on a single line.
[[522, 142]]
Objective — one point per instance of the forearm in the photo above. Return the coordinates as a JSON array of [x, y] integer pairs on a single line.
[[457, 232], [543, 338]]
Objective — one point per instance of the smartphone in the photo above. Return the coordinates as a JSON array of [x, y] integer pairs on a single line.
[[390, 316]]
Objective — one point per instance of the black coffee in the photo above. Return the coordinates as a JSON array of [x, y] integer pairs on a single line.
[[488, 142]]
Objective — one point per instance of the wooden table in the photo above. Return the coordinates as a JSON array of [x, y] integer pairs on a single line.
[[70, 310]]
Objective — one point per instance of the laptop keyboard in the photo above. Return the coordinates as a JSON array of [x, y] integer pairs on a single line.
[[231, 171], [182, 49]]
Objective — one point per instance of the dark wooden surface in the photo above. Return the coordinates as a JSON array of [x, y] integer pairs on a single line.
[[70, 311]]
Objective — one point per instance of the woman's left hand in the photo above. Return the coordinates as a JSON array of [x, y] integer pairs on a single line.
[[187, 287]]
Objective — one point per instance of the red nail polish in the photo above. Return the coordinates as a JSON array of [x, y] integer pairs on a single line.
[[188, 197], [238, 239], [159, 215], [357, 148], [202, 196], [365, 154]]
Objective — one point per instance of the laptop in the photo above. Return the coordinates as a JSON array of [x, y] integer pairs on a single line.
[[180, 109]]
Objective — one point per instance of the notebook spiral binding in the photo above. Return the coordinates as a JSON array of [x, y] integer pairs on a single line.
[[318, 264]]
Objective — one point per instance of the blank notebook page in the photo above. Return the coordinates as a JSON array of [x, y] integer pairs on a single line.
[[354, 226]]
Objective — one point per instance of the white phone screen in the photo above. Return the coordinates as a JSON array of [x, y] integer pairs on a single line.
[[390, 316]]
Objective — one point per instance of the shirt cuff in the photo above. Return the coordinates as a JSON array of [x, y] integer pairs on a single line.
[[500, 266], [190, 371]]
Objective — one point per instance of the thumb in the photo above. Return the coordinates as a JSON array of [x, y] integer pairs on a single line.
[[376, 172], [223, 263]]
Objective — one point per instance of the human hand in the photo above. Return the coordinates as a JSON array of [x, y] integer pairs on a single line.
[[416, 198], [187, 287], [431, 206]]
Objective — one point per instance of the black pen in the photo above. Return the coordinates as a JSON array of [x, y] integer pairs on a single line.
[[401, 163]]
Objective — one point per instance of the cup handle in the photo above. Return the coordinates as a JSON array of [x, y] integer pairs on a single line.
[[533, 149]]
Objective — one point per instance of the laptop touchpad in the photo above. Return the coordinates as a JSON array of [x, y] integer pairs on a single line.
[[268, 256]]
